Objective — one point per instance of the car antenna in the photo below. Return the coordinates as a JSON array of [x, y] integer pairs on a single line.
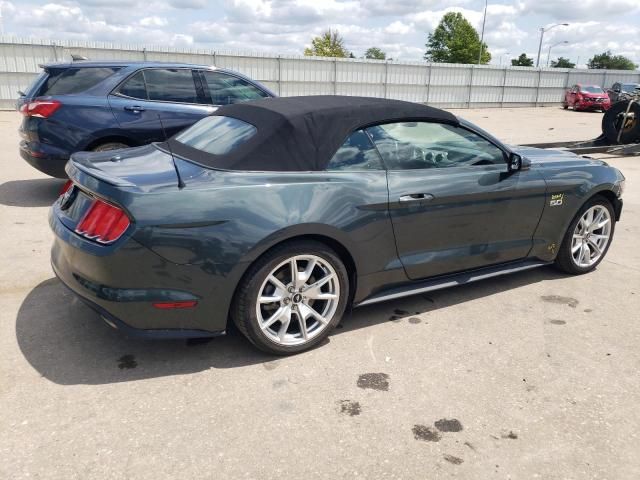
[[166, 139]]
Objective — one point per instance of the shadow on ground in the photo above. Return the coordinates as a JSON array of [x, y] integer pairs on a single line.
[[67, 343], [40, 192]]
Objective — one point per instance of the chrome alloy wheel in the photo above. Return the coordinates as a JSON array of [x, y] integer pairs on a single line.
[[298, 300], [591, 236]]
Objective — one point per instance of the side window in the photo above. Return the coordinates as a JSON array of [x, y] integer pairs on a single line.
[[171, 85], [418, 145], [356, 153], [74, 80], [225, 89], [134, 87]]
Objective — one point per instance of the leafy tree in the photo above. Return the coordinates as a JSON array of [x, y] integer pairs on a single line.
[[329, 44], [455, 41], [611, 62], [522, 61], [562, 63], [374, 53]]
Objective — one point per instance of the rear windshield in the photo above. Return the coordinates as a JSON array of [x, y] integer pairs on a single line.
[[217, 135], [591, 89], [74, 80]]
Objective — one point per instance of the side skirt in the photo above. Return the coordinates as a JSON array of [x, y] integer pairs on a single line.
[[453, 280]]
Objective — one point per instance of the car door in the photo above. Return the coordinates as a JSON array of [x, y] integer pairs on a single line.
[[221, 88], [454, 205], [173, 94]]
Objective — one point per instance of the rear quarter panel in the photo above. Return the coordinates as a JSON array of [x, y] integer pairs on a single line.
[[228, 218]]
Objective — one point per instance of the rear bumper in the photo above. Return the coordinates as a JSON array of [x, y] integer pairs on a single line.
[[48, 160], [122, 282]]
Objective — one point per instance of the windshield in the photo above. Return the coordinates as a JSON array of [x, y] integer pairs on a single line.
[[629, 87], [217, 135], [591, 89]]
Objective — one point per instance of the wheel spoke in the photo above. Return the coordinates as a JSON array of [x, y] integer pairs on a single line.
[[303, 325], [282, 332], [280, 314], [304, 277], [602, 224], [293, 265], [313, 291], [595, 247], [577, 246], [307, 311], [586, 254], [277, 283]]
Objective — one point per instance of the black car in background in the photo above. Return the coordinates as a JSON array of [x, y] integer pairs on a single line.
[[98, 106], [619, 89]]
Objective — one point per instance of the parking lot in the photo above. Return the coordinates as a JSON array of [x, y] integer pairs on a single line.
[[533, 375]]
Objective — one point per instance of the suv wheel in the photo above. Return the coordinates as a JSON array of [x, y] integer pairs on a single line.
[[292, 297]]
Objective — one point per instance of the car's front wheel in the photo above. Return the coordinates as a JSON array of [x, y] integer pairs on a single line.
[[588, 237], [292, 297]]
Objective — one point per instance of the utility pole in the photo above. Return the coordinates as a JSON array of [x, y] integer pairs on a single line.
[[484, 19], [542, 32]]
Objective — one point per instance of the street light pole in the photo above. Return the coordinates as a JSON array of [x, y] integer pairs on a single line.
[[484, 19], [542, 32], [554, 45]]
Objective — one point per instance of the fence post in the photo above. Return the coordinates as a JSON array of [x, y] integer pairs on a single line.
[[215, 62], [473, 69], [144, 53], [429, 84], [55, 52], [538, 87], [386, 78], [504, 87], [604, 80], [335, 76], [279, 76]]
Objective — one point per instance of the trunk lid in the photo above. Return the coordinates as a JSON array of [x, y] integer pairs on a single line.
[[146, 168]]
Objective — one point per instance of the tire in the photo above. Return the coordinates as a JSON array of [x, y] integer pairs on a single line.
[[270, 277], [565, 106], [611, 122], [109, 146], [566, 260]]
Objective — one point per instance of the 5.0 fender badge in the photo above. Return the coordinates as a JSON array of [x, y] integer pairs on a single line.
[[556, 199]]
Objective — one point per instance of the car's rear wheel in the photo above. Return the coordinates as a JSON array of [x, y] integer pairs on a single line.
[[565, 105], [588, 238], [292, 297], [109, 146]]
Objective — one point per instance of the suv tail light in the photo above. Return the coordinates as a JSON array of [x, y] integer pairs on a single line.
[[40, 108], [67, 185], [103, 222]]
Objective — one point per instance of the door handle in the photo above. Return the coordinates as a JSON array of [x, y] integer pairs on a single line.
[[134, 108], [415, 197]]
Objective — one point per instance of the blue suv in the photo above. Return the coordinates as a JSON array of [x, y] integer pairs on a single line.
[[100, 106]]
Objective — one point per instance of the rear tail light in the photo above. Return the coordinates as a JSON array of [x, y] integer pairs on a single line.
[[40, 108], [103, 222]]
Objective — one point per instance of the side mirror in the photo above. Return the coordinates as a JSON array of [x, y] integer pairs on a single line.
[[518, 162], [21, 93]]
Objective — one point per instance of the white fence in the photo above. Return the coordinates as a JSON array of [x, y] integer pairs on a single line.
[[442, 85]]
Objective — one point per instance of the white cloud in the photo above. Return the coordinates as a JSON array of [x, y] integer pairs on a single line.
[[154, 22]]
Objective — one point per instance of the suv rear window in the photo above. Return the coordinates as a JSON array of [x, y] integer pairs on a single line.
[[217, 135], [64, 81]]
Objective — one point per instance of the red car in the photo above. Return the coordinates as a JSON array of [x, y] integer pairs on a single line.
[[586, 97]]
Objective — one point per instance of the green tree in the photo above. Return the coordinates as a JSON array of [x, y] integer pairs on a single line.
[[562, 63], [329, 44], [611, 62], [455, 41], [522, 61], [374, 53]]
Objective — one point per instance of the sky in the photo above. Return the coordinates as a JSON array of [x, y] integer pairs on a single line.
[[398, 27]]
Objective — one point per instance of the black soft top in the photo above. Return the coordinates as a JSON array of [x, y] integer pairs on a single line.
[[303, 133]]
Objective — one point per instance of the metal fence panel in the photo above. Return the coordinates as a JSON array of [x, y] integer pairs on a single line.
[[444, 85]]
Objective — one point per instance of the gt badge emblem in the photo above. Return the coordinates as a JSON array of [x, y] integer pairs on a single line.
[[556, 199]]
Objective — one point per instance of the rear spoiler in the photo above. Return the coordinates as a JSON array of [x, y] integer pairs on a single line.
[[73, 167]]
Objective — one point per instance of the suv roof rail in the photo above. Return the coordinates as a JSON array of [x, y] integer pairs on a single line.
[[77, 58]]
